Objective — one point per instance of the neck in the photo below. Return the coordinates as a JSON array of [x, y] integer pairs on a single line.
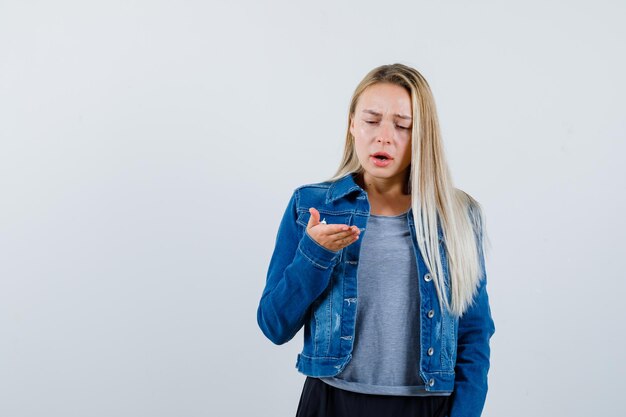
[[393, 187]]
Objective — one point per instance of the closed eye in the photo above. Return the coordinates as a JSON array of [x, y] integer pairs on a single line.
[[373, 122]]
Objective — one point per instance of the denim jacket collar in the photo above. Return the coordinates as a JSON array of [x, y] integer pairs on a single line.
[[346, 185], [342, 188]]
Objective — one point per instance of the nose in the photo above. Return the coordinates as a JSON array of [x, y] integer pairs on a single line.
[[385, 134]]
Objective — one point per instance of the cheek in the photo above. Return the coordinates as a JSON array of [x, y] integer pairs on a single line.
[[361, 149], [360, 146], [361, 130]]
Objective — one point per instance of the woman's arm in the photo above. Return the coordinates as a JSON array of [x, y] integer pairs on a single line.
[[298, 273], [472, 362], [476, 327]]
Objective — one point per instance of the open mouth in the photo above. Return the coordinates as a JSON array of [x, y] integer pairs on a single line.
[[382, 156], [381, 159]]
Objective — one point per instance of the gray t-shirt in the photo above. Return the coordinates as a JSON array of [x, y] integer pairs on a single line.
[[386, 350]]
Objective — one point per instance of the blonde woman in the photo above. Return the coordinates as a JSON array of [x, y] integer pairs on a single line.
[[383, 265]]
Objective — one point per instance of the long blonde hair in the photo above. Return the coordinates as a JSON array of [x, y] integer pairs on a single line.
[[433, 194]]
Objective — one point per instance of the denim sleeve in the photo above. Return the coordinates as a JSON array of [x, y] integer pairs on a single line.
[[299, 271], [476, 327]]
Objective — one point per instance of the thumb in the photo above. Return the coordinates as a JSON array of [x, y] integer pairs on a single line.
[[314, 220]]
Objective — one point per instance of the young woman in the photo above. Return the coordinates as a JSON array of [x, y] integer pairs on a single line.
[[383, 265]]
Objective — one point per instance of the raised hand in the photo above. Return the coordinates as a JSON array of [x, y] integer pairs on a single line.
[[331, 236]]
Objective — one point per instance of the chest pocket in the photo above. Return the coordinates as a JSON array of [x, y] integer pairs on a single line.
[[329, 216]]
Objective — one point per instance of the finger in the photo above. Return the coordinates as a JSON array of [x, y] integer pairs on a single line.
[[332, 229], [344, 240], [342, 232], [314, 219], [347, 241]]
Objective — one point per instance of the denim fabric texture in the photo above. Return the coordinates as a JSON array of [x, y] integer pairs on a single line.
[[309, 285]]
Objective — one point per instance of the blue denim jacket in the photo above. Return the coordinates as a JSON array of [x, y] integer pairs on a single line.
[[309, 285]]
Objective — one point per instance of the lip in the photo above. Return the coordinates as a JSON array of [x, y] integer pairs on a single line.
[[385, 154], [381, 163]]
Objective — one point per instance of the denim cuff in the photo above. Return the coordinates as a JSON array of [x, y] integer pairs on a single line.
[[316, 253]]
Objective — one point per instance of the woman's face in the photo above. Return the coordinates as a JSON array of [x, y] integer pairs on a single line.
[[382, 123]]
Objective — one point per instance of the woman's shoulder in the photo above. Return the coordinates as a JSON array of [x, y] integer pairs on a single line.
[[322, 187], [312, 194], [322, 193], [467, 199], [471, 206], [315, 185]]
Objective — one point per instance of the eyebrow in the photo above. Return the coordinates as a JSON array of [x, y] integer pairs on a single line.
[[401, 116]]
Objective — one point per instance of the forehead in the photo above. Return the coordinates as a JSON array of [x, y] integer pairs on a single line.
[[385, 97]]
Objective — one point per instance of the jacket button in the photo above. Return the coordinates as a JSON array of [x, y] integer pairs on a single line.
[[428, 277], [431, 382], [430, 352], [431, 314]]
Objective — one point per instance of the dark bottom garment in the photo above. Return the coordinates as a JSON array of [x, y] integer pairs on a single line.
[[319, 399]]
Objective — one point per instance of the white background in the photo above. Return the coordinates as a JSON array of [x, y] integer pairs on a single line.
[[149, 148]]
